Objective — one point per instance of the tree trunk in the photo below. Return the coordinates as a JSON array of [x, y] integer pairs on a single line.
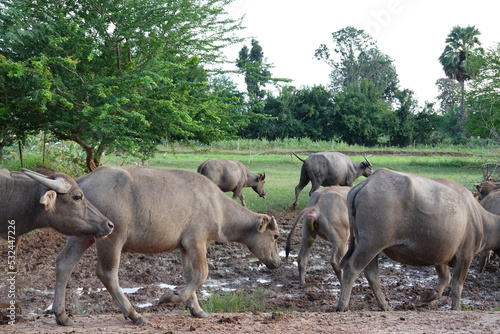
[[91, 161], [462, 117]]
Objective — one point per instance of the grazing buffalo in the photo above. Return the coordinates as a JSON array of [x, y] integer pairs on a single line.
[[329, 169], [325, 215], [491, 203], [416, 221], [232, 175], [31, 200], [486, 187], [161, 210]]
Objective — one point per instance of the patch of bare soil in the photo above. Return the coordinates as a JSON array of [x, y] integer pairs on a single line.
[[291, 308]]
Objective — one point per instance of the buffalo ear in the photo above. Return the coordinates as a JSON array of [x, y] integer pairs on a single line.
[[263, 222], [49, 200], [266, 222]]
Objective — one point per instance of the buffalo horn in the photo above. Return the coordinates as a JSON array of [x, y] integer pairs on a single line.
[[369, 164], [59, 184]]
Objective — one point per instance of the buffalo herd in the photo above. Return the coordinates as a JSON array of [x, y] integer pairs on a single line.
[[412, 219]]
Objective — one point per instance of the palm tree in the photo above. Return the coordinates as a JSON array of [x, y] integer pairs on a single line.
[[461, 43]]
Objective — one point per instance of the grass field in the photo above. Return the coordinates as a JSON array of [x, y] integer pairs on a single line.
[[458, 163], [283, 171]]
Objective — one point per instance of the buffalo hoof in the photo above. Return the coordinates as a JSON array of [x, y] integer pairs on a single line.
[[169, 297], [140, 321], [429, 296], [201, 314], [64, 321]]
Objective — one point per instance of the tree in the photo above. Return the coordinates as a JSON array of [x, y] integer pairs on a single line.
[[484, 97], [449, 94], [361, 117], [357, 58], [458, 61], [23, 99], [404, 131], [252, 64], [123, 75], [295, 113]]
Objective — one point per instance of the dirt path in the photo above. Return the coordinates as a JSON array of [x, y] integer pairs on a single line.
[[294, 322], [310, 309]]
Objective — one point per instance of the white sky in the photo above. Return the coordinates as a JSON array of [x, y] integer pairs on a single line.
[[411, 32]]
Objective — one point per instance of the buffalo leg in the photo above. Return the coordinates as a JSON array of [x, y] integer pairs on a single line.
[[373, 277], [192, 302], [195, 271], [242, 199], [304, 180], [351, 270], [307, 241], [107, 270], [314, 186], [65, 262], [443, 273], [457, 282], [339, 247]]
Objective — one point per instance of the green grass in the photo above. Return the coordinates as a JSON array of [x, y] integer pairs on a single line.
[[458, 163], [283, 171], [238, 301]]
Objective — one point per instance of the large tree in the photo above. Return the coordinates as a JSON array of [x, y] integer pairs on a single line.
[[458, 61], [484, 97], [449, 94], [356, 57], [24, 95], [361, 117], [123, 75], [251, 63]]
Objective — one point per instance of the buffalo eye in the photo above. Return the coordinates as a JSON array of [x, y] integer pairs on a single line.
[[78, 198], [276, 236]]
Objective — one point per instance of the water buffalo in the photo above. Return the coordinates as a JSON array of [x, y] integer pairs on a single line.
[[31, 200], [418, 221], [491, 203], [161, 210], [486, 187], [325, 215], [232, 175], [329, 169]]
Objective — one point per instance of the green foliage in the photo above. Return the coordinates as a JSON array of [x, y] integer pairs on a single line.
[[116, 81], [484, 97], [358, 58], [461, 43], [361, 115], [239, 301], [459, 61], [46, 157], [449, 94], [295, 113], [25, 96], [257, 75]]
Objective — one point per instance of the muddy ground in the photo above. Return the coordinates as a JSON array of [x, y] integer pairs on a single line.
[[289, 308]]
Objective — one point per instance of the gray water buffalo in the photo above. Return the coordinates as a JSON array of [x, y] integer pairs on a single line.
[[486, 187], [31, 200], [329, 169], [416, 221], [325, 215], [161, 210], [232, 175], [491, 203]]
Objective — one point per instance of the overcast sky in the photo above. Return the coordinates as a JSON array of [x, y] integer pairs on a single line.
[[411, 32]]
